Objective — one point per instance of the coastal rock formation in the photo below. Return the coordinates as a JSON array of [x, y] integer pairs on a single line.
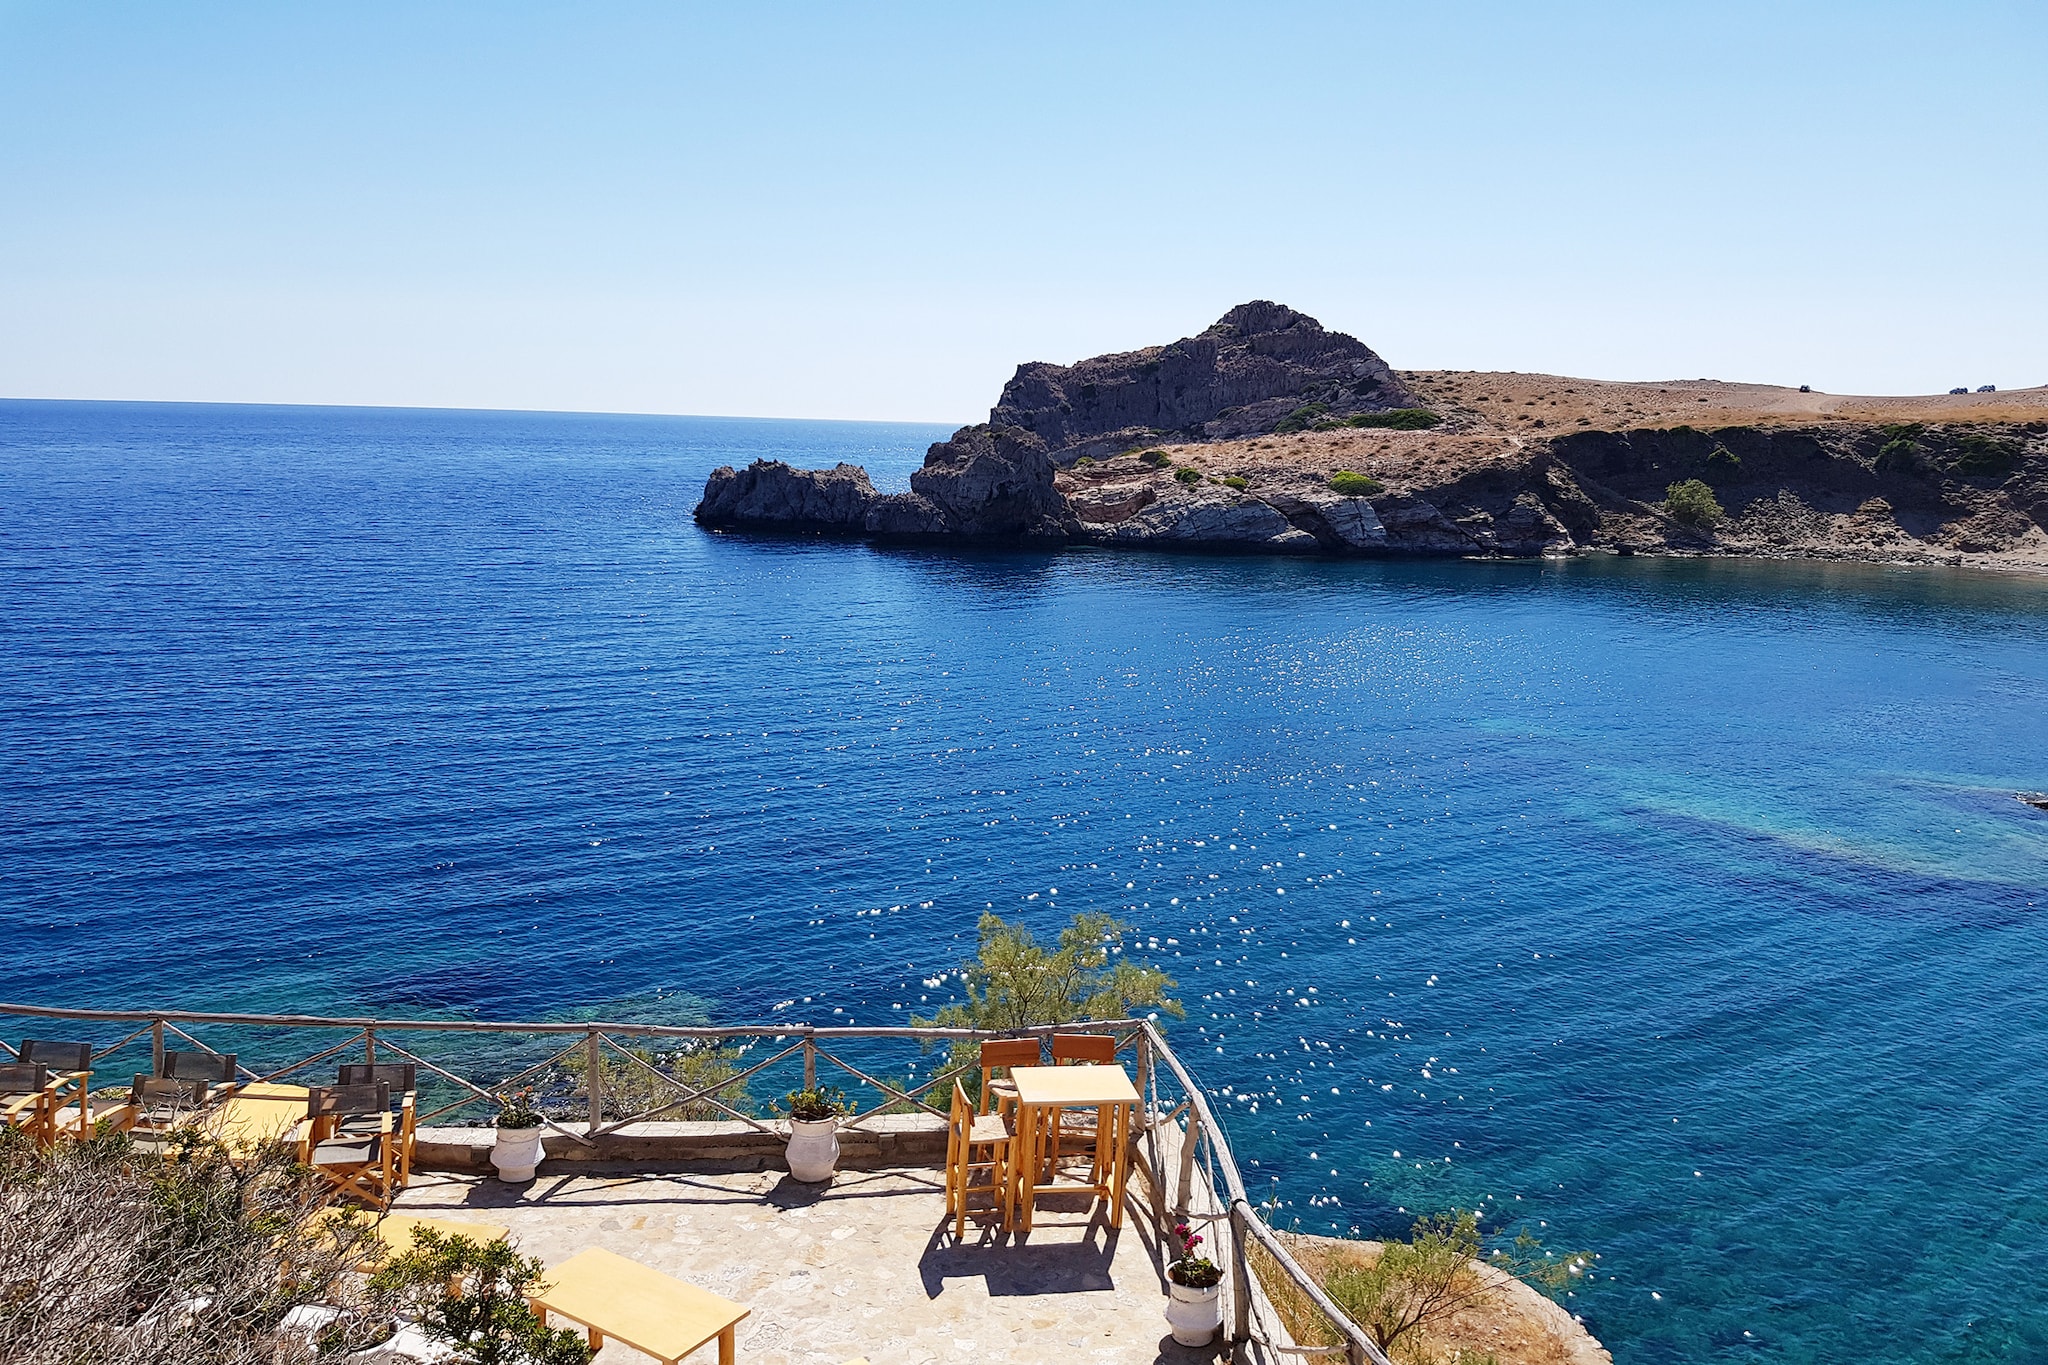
[[1258, 434], [1260, 362], [770, 495]]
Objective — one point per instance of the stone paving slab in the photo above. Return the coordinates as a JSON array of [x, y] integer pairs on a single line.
[[865, 1266]]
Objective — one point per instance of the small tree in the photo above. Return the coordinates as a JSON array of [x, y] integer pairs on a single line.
[[1015, 982], [472, 1296], [1692, 502]]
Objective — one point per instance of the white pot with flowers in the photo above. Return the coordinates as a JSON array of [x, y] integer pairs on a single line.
[[517, 1151], [813, 1150], [1194, 1283]]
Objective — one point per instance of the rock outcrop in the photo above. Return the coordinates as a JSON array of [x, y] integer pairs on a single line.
[[770, 495], [1176, 447], [1246, 374]]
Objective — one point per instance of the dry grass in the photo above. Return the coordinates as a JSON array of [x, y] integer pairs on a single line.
[[114, 1255], [1512, 1324]]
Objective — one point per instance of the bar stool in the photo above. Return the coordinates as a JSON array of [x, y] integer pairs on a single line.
[[1002, 1054], [966, 1133], [1092, 1049]]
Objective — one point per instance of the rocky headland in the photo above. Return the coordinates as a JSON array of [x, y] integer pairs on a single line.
[[1268, 433]]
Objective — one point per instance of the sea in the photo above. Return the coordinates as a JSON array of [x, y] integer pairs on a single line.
[[1679, 913]]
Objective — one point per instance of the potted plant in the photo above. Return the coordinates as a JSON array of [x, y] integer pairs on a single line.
[[517, 1150], [813, 1149], [1194, 1304]]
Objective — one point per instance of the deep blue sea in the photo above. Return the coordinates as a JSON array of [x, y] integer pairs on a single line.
[[1680, 912]]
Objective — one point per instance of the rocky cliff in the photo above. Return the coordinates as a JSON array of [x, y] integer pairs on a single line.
[[1267, 433]]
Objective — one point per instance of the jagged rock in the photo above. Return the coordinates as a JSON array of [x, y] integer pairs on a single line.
[[1416, 526], [1337, 523], [1258, 363], [1208, 517], [993, 480], [770, 494], [1111, 504], [905, 515], [1527, 528]]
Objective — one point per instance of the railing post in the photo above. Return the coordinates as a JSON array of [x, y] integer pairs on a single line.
[[1187, 1162], [593, 1078], [1241, 1269], [1145, 1072], [156, 1048], [370, 1046], [810, 1065]]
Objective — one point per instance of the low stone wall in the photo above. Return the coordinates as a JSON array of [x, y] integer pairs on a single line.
[[882, 1141]]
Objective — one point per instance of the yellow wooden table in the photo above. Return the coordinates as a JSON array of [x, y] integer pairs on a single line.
[[256, 1113], [1042, 1092], [638, 1306]]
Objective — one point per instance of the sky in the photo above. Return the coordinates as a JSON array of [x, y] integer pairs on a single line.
[[878, 211]]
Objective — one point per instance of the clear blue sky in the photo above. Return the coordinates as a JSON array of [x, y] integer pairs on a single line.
[[877, 211]]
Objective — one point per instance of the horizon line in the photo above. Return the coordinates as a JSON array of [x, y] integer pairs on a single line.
[[421, 407]]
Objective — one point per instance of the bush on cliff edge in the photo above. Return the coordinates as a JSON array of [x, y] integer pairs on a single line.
[[1692, 502]]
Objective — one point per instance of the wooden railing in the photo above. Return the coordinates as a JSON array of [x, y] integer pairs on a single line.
[[1194, 1176]]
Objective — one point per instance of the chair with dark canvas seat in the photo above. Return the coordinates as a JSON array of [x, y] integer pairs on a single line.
[[156, 1106], [217, 1069], [403, 1078], [71, 1073], [362, 1163], [28, 1100]]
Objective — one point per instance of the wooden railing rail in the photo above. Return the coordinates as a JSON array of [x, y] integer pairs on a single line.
[[1203, 1146]]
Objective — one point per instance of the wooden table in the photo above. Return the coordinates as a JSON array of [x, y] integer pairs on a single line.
[[1042, 1092], [641, 1307], [256, 1113]]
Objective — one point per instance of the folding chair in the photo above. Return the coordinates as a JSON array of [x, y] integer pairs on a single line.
[[1000, 1054], [157, 1105], [28, 1100], [404, 1080], [217, 1069], [966, 1132], [71, 1065], [360, 1164]]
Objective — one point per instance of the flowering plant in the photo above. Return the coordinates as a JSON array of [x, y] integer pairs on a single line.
[[1189, 1269], [516, 1110]]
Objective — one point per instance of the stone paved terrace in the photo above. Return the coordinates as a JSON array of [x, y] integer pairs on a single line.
[[866, 1266]]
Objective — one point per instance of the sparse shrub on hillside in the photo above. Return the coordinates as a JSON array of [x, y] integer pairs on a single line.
[[1352, 484], [1900, 455], [1978, 454], [1084, 462], [1397, 419], [1233, 481], [1692, 502], [1299, 419], [1158, 459], [1188, 474], [1721, 457]]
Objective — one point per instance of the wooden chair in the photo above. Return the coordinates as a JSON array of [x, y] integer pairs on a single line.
[[1000, 1054], [1093, 1049], [966, 1134], [157, 1105], [217, 1069], [404, 1080], [28, 1100], [359, 1164], [70, 1065]]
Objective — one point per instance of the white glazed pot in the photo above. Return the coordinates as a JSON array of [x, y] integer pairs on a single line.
[[1195, 1315], [813, 1148], [516, 1153]]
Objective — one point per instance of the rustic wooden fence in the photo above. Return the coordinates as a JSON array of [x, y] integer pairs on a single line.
[[1192, 1174]]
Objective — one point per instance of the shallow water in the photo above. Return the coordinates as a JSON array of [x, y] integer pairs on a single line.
[[1684, 907]]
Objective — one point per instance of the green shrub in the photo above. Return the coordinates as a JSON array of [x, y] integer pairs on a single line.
[[1352, 484], [1084, 462], [1233, 481], [483, 1318], [1398, 419], [1980, 454], [1299, 419], [1692, 502], [1722, 457], [1899, 455], [1158, 459], [1188, 474]]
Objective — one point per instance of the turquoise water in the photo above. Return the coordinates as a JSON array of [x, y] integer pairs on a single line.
[[1684, 907]]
